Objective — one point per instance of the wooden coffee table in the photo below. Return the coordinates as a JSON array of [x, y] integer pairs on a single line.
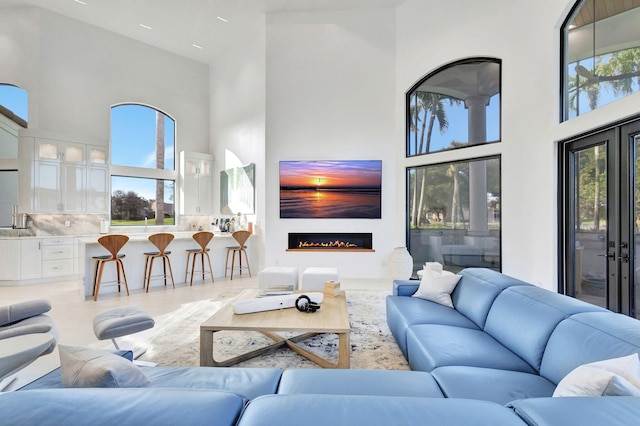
[[332, 317]]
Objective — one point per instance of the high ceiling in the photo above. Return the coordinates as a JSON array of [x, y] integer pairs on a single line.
[[178, 25]]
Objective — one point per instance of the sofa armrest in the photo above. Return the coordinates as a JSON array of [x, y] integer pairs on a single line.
[[405, 287]]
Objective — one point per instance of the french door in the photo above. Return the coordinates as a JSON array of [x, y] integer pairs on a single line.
[[600, 220]]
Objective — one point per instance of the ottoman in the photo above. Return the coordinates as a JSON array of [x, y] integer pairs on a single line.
[[121, 321], [278, 280], [314, 278]]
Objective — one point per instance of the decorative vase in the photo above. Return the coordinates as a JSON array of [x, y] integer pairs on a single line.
[[401, 264]]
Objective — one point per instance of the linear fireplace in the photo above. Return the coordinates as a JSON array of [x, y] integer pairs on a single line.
[[330, 241]]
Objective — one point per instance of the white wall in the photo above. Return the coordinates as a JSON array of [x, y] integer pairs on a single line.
[[330, 95], [74, 72], [526, 37], [238, 121]]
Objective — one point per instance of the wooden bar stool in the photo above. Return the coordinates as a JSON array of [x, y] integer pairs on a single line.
[[161, 241], [241, 237], [113, 244], [202, 238]]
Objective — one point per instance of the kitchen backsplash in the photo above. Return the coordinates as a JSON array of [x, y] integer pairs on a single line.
[[89, 224]]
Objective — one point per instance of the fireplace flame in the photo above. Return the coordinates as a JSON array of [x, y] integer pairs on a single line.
[[328, 244]]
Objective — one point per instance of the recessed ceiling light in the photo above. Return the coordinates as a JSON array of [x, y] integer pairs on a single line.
[[146, 27], [220, 18], [81, 2], [197, 46]]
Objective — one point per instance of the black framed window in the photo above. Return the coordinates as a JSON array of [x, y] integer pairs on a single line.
[[455, 106], [600, 55], [454, 214]]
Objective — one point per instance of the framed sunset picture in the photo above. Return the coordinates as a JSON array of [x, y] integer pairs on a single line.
[[349, 189]]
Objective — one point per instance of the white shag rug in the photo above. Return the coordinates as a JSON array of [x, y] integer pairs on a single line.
[[176, 338]]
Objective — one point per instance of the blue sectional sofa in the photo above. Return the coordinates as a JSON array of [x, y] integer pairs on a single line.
[[495, 358]]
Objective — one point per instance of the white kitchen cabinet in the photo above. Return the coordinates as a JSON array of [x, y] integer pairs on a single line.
[[97, 188], [57, 257], [10, 259], [30, 258], [59, 174], [196, 172], [62, 177]]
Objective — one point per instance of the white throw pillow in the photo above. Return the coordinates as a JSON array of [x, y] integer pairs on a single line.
[[83, 367], [611, 377], [437, 287]]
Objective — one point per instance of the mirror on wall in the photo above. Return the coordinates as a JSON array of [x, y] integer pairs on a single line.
[[237, 190]]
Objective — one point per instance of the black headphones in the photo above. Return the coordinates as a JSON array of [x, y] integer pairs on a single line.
[[304, 304]]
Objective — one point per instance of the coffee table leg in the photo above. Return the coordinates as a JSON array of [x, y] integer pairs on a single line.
[[206, 348], [344, 350]]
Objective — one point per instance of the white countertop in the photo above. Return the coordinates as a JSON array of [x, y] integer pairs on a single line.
[[137, 236]]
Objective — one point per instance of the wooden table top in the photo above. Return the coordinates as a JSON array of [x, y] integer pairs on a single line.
[[332, 317]]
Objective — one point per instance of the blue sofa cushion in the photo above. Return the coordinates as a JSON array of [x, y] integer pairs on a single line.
[[487, 384], [316, 410], [588, 337], [359, 382], [403, 312], [246, 382], [477, 290], [583, 411], [431, 346], [120, 406], [522, 318]]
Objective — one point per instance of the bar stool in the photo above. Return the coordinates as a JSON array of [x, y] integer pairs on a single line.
[[202, 238], [113, 244], [241, 237], [161, 241]]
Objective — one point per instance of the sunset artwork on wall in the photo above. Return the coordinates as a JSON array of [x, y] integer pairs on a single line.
[[331, 189]]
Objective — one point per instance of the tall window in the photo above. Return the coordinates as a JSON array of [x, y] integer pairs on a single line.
[[600, 54], [13, 117], [454, 214], [457, 105], [142, 166]]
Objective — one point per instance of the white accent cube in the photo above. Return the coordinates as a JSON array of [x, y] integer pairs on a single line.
[[314, 278], [278, 279]]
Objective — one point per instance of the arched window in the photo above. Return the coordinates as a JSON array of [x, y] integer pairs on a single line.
[[455, 106], [600, 55], [142, 166]]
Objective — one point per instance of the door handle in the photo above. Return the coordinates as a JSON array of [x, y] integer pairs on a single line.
[[624, 258], [610, 256]]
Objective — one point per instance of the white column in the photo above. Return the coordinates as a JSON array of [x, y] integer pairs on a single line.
[[478, 221]]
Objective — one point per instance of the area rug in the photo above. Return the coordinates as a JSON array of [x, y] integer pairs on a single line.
[[176, 338]]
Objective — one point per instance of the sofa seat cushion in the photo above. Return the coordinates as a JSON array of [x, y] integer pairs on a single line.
[[431, 346], [403, 312], [246, 382], [316, 410], [488, 384], [359, 382], [584, 411], [120, 406]]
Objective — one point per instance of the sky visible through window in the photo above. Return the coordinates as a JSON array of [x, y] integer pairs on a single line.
[[15, 100], [133, 143], [458, 130]]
